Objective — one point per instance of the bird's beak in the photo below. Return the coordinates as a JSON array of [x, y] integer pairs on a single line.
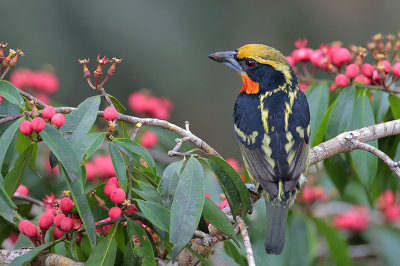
[[228, 58]]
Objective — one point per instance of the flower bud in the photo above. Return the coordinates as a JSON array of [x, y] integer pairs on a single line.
[[118, 195], [57, 233], [58, 219], [58, 120], [110, 113], [67, 224], [66, 205], [341, 80], [26, 127], [114, 212], [38, 124], [46, 220], [48, 112], [352, 71]]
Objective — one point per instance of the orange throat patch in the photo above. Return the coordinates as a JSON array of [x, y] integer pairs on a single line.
[[249, 86]]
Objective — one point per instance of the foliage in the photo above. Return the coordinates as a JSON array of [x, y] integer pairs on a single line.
[[163, 203]]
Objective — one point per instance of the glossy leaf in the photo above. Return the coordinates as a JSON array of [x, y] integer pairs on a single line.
[[380, 104], [386, 241], [7, 210], [395, 106], [365, 163], [155, 213], [146, 191], [187, 205], [13, 179], [30, 255], [117, 104], [170, 178], [88, 144], [139, 244], [81, 120], [213, 214], [7, 108], [231, 183], [10, 93], [234, 253], [7, 137], [105, 251], [319, 135], [134, 150], [119, 165], [341, 114], [318, 100], [63, 151], [337, 246]]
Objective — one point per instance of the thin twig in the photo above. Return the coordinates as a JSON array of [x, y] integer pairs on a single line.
[[19, 196], [246, 241]]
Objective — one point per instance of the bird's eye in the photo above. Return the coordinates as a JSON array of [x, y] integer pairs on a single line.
[[250, 63]]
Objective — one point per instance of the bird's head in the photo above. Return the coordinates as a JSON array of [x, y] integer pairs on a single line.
[[261, 67]]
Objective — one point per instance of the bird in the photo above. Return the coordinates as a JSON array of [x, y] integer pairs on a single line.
[[271, 120]]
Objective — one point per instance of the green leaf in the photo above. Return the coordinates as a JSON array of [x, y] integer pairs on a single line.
[[395, 105], [231, 183], [105, 251], [337, 246], [88, 144], [117, 104], [341, 114], [7, 137], [147, 192], [386, 241], [81, 120], [170, 178], [63, 151], [7, 108], [318, 101], [155, 213], [9, 156], [298, 250], [83, 208], [213, 214], [319, 135], [119, 165], [7, 210], [22, 143], [380, 104], [134, 150], [234, 253], [187, 205], [338, 170], [14, 177], [10, 93], [365, 163], [139, 244], [30, 255]]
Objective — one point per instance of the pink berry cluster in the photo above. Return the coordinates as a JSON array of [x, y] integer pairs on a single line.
[[355, 219], [40, 83], [144, 103], [148, 139], [388, 206], [312, 193], [37, 124], [347, 65], [100, 167], [58, 212]]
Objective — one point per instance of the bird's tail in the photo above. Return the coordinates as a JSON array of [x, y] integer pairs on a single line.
[[277, 213]]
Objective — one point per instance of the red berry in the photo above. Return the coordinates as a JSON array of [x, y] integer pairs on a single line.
[[109, 188], [58, 219], [352, 71], [38, 124], [114, 213], [22, 225], [149, 139], [341, 80], [117, 195], [46, 220], [58, 120], [67, 224], [110, 113], [367, 70], [57, 233], [31, 230], [396, 69], [23, 190], [137, 102], [386, 199], [342, 55], [114, 180], [26, 127], [386, 66], [375, 75], [392, 213], [66, 205], [48, 112]]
